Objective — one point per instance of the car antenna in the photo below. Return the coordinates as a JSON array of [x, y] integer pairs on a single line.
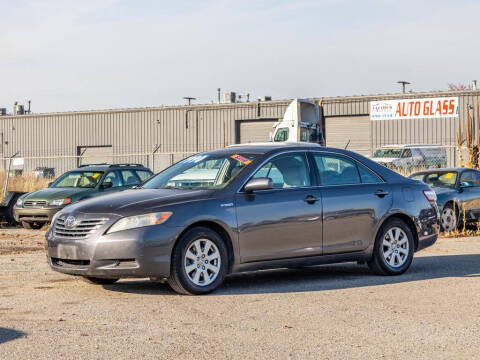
[[348, 143]]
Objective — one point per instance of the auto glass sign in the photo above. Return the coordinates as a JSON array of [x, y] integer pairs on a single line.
[[445, 107]]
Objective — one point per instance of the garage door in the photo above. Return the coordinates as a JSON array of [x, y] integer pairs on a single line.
[[356, 129], [255, 130], [95, 154]]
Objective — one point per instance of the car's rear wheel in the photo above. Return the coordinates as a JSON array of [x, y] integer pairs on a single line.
[[33, 224], [199, 262], [394, 248], [449, 219], [99, 281]]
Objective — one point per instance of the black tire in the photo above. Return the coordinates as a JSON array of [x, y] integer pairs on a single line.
[[35, 225], [98, 281], [179, 280], [378, 263], [10, 218]]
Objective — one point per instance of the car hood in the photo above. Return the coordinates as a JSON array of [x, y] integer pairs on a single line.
[[55, 193], [137, 201]]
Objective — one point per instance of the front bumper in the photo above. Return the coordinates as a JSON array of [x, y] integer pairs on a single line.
[[34, 214], [135, 253]]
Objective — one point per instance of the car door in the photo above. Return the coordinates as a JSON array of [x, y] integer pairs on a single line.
[[471, 195], [285, 221], [354, 199]]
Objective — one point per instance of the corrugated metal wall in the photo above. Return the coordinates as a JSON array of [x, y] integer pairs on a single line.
[[190, 129], [442, 131], [183, 129]]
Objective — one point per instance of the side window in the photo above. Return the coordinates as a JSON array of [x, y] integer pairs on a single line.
[[143, 175], [336, 170], [303, 134], [281, 135], [367, 176], [130, 178], [113, 177], [471, 176], [286, 171]]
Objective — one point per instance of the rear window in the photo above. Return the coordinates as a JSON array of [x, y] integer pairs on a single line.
[[143, 175], [440, 179]]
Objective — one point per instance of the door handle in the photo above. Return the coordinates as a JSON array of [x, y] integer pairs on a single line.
[[381, 193], [311, 199]]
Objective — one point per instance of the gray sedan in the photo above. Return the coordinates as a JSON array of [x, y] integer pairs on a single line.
[[245, 208]]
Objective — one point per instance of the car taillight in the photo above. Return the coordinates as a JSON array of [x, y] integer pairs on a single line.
[[430, 195]]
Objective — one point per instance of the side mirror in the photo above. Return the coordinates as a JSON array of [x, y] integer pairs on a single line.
[[50, 183], [466, 184], [270, 136], [106, 185], [256, 184]]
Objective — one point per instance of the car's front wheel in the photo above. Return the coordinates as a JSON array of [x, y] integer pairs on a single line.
[[199, 262], [393, 249]]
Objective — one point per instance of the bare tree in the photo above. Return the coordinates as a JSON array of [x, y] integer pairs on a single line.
[[458, 87]]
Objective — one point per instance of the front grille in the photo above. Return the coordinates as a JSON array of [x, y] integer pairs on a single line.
[[35, 203], [80, 230]]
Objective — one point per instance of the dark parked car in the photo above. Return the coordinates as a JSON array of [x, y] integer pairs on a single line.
[[269, 206], [34, 209], [458, 194]]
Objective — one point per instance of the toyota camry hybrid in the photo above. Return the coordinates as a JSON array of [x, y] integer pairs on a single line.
[[243, 208]]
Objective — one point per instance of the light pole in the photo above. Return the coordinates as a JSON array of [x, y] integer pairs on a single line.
[[189, 99], [403, 84]]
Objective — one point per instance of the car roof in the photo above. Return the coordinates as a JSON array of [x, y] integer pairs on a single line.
[[106, 167]]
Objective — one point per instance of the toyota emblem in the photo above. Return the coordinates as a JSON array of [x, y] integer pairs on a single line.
[[70, 222]]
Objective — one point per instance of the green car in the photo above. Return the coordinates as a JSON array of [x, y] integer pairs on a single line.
[[35, 209]]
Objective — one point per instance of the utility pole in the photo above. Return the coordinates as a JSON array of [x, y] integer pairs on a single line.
[[403, 84]]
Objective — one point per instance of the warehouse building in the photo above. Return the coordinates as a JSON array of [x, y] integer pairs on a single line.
[[159, 136]]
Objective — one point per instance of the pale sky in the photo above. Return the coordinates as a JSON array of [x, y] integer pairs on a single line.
[[101, 54]]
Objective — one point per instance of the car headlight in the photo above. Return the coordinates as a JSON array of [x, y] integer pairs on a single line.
[[137, 221], [19, 202], [60, 202]]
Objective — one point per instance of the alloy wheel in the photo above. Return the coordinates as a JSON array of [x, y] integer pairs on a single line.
[[202, 262], [395, 247]]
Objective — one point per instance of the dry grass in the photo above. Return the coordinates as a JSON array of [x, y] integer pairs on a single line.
[[25, 183]]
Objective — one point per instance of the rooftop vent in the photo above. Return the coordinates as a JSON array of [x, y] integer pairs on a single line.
[[264, 98], [229, 97]]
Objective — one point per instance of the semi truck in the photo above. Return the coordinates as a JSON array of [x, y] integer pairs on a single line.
[[301, 123]]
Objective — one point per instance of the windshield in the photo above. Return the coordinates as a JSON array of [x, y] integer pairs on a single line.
[[441, 179], [202, 171], [281, 135], [78, 179], [387, 153]]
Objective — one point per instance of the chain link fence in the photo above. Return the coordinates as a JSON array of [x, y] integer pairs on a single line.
[[54, 166], [405, 159]]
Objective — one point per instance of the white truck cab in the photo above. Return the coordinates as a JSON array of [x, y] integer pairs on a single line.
[[301, 123]]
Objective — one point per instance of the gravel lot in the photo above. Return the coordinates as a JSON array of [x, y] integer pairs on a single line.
[[341, 311]]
